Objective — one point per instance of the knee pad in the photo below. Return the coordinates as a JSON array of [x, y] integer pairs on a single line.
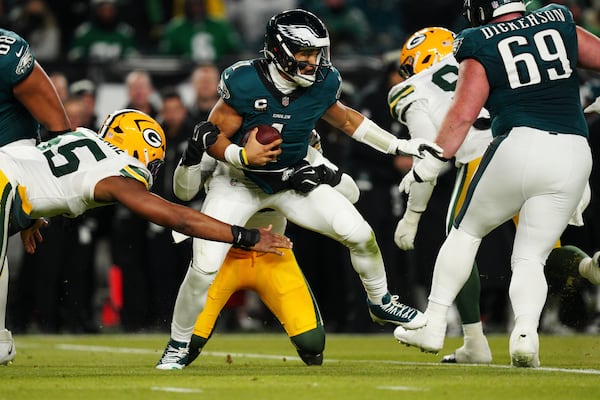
[[351, 228]]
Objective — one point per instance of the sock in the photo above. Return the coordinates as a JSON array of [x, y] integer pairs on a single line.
[[190, 301], [473, 333], [368, 263], [453, 266], [3, 294], [528, 291], [467, 301]]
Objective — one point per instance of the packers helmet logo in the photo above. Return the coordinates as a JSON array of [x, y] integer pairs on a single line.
[[416, 40], [152, 137]]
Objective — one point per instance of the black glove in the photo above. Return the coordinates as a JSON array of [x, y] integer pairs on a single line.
[[305, 178], [328, 176], [204, 136]]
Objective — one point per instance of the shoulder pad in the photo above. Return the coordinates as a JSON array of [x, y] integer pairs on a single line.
[[399, 98]]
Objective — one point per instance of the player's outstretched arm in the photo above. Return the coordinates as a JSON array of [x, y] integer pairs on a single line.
[[363, 130], [133, 195]]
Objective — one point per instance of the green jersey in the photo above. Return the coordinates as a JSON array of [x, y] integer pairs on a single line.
[[16, 63], [531, 67], [247, 87]]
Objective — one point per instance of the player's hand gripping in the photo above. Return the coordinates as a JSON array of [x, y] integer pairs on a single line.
[[426, 170], [204, 136], [417, 147], [406, 230]]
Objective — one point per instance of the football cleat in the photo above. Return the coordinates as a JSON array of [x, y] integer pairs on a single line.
[[311, 359], [430, 338], [196, 345], [174, 357], [396, 313], [472, 354], [524, 349], [589, 268], [7, 347]]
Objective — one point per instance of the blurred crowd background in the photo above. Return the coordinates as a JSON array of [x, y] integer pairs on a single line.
[[110, 271]]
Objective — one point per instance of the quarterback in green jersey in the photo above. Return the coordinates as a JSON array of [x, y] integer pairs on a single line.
[[291, 88], [523, 69]]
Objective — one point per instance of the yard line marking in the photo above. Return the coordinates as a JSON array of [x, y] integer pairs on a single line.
[[403, 388], [174, 389], [131, 350]]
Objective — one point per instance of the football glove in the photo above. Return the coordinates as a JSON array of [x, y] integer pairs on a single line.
[[204, 136], [426, 170], [416, 147], [406, 230], [305, 178], [328, 176]]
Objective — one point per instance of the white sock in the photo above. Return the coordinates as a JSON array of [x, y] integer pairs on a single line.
[[368, 263], [453, 266], [190, 302], [473, 331], [3, 294], [528, 290]]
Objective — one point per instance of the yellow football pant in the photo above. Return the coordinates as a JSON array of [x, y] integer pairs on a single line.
[[276, 279]]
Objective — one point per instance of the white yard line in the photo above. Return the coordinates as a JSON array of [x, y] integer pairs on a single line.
[[130, 350]]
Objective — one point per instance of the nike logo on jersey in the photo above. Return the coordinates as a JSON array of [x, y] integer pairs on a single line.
[[18, 53]]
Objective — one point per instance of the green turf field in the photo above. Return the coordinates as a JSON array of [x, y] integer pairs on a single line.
[[265, 366]]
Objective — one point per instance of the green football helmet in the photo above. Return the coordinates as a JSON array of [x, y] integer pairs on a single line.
[[480, 12]]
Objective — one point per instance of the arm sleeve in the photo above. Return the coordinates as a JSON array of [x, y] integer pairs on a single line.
[[188, 180]]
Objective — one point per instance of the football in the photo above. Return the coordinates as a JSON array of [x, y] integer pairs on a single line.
[[266, 134]]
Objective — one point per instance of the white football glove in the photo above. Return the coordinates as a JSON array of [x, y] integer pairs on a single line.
[[426, 170], [406, 230], [417, 147], [594, 107]]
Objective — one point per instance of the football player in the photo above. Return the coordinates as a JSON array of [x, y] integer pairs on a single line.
[[523, 68], [27, 98], [420, 102], [290, 88], [80, 170], [278, 281]]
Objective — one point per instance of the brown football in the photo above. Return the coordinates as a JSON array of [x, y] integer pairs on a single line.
[[266, 134]]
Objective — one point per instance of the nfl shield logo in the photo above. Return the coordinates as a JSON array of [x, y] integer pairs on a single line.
[[285, 101]]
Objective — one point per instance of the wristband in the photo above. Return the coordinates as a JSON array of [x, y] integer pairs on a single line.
[[236, 155], [244, 238]]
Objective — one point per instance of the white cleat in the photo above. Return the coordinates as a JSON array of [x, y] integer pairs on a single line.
[[7, 347], [478, 353], [429, 339], [524, 349]]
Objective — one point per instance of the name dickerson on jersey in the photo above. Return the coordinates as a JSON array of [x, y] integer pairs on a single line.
[[542, 17]]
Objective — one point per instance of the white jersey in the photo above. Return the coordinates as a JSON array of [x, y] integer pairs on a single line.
[[422, 101], [58, 177]]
